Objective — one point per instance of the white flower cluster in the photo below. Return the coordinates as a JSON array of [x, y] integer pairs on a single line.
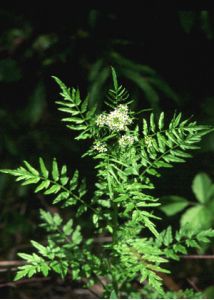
[[117, 120], [126, 140], [101, 120], [100, 147]]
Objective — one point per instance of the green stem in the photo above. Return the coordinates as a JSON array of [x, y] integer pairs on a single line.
[[72, 194], [114, 221], [114, 228]]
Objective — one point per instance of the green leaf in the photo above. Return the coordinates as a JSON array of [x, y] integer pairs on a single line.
[[179, 248], [46, 216], [52, 190], [172, 204], [44, 171], [152, 122], [31, 169], [30, 181], [209, 292], [161, 121], [168, 236], [61, 196], [77, 127], [202, 187], [145, 127], [75, 120], [74, 180], [25, 256], [95, 219], [151, 226], [65, 91], [77, 236], [44, 185], [114, 77], [197, 218], [42, 250], [57, 219], [205, 235], [113, 295], [45, 269], [84, 105], [67, 228], [55, 170], [60, 267], [20, 274]]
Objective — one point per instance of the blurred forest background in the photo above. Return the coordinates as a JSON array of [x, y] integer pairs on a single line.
[[165, 59]]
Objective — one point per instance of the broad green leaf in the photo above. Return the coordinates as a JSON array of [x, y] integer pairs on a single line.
[[172, 204], [202, 187], [197, 218]]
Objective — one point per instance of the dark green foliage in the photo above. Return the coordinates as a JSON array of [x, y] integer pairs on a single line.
[[128, 156], [200, 216]]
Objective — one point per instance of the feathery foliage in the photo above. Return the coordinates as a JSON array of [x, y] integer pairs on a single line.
[[129, 152]]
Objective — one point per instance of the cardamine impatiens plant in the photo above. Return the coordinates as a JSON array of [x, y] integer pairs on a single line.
[[129, 150]]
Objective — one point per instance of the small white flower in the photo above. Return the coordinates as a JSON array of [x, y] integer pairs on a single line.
[[101, 120], [117, 120], [123, 108], [126, 140], [100, 147]]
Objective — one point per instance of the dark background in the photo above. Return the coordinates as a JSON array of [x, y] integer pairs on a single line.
[[165, 58]]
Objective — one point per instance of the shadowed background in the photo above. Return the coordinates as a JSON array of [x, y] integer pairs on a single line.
[[165, 59]]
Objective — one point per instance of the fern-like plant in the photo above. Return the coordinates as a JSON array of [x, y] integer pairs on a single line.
[[129, 150]]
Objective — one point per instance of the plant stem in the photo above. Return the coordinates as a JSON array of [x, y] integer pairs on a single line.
[[114, 222], [114, 228]]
